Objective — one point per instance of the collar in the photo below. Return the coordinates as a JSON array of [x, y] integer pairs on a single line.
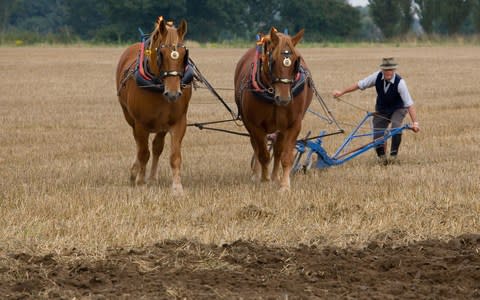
[[391, 80]]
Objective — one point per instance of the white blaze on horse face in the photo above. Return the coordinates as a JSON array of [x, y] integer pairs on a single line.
[[284, 79]]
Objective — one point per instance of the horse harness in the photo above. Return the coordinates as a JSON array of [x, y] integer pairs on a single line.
[[145, 79], [265, 92]]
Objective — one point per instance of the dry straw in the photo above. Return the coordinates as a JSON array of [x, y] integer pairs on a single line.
[[66, 151]]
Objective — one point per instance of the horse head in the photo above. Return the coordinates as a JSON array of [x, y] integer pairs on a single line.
[[281, 64], [169, 56]]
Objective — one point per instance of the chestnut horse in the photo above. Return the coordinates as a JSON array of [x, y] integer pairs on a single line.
[[160, 107], [273, 92]]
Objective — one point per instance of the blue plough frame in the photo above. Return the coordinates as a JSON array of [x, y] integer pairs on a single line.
[[314, 146]]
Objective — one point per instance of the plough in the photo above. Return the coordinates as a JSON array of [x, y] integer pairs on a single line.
[[308, 147], [309, 150]]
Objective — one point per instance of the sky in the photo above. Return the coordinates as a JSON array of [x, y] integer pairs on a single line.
[[358, 2]]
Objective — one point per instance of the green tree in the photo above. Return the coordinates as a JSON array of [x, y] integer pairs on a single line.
[[262, 15], [322, 20], [476, 15], [86, 17], [387, 15], [405, 16], [445, 17], [454, 13], [216, 20], [39, 16], [430, 11], [123, 18], [6, 7]]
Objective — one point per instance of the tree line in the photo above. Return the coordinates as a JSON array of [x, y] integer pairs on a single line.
[[117, 21]]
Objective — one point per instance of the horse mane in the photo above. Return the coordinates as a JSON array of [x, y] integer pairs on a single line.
[[171, 38], [284, 40]]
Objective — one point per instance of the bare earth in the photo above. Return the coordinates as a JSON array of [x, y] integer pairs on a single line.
[[181, 269]]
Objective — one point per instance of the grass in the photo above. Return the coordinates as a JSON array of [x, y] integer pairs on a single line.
[[65, 152]]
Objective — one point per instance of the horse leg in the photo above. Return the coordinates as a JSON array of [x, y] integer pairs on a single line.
[[287, 155], [257, 138], [177, 133], [277, 152], [157, 149], [138, 170], [136, 165], [256, 169]]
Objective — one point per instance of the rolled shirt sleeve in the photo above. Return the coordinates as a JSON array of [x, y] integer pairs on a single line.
[[404, 93], [368, 81]]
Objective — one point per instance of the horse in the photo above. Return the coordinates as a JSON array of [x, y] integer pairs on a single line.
[[272, 92], [154, 93]]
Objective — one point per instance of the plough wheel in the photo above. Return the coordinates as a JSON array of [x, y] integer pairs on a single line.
[[297, 163], [297, 160]]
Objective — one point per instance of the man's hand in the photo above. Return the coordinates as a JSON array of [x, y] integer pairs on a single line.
[[337, 94], [415, 127]]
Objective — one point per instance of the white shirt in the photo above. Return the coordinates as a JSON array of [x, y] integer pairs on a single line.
[[369, 81]]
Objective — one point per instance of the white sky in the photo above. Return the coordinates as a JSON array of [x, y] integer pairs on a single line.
[[358, 2]]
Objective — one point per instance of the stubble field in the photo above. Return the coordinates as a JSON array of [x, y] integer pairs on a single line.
[[72, 225]]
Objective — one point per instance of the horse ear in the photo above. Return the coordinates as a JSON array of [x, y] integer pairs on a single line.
[[182, 29], [298, 37], [274, 36], [162, 26]]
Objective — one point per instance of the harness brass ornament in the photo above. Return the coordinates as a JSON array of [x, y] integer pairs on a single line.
[[174, 54]]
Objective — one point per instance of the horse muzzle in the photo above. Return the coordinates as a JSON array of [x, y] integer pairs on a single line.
[[281, 101], [283, 91], [172, 96], [172, 84]]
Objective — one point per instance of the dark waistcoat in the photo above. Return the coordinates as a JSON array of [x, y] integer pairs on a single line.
[[391, 100]]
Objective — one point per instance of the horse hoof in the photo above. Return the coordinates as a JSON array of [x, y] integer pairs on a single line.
[[140, 182], [284, 189], [151, 180], [177, 190]]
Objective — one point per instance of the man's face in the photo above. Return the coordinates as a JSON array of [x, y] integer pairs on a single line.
[[388, 74]]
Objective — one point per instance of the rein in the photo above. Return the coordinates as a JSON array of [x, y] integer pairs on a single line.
[[363, 109]]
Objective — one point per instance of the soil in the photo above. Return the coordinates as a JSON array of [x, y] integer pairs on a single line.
[[431, 269]]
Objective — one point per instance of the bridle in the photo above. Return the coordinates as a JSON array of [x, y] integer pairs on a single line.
[[173, 55], [287, 62]]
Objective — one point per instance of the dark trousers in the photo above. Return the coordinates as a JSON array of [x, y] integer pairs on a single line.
[[381, 122]]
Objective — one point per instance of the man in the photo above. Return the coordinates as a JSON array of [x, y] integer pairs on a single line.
[[393, 103]]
